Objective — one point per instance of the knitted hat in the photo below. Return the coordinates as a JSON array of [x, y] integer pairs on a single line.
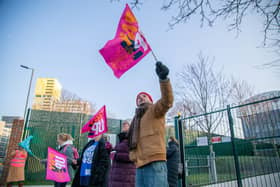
[[145, 93]]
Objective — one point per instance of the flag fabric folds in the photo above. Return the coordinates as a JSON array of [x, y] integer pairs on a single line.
[[97, 125], [25, 144], [128, 47]]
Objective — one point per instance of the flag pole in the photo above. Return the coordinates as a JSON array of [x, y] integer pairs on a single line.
[[154, 55], [36, 157]]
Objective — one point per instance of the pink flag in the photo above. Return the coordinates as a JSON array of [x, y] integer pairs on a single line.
[[57, 169], [128, 47], [97, 124]]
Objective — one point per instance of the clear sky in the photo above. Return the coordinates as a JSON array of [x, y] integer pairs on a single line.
[[61, 39]]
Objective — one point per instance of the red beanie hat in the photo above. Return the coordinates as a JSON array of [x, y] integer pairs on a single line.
[[145, 93]]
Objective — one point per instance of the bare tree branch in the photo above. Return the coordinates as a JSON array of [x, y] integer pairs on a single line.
[[235, 11]]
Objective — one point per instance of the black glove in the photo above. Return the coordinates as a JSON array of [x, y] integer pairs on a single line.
[[162, 70]]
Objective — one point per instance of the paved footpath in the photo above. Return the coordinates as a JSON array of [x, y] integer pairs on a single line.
[[42, 185], [270, 180]]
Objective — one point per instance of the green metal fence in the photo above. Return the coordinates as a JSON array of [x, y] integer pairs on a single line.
[[45, 126], [235, 146]]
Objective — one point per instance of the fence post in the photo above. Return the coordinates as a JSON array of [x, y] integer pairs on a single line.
[[177, 137], [235, 155], [25, 124], [176, 127], [120, 125], [182, 151]]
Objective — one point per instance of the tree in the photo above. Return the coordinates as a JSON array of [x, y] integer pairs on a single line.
[[66, 95], [201, 90], [69, 102], [235, 11], [241, 91]]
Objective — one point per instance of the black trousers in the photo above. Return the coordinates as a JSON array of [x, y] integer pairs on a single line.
[[60, 184]]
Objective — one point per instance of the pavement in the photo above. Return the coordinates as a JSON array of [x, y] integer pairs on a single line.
[[43, 185], [270, 180]]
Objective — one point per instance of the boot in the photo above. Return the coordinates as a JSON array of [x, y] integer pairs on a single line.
[[20, 184], [9, 185]]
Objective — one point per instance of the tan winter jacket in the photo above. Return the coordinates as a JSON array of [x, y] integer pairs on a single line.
[[151, 144]]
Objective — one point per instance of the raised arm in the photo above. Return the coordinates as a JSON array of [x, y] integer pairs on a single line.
[[166, 101]]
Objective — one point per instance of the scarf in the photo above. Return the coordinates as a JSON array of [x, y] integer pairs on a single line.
[[70, 142], [133, 133]]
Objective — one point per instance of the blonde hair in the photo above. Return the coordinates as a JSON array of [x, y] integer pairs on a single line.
[[173, 139], [64, 137]]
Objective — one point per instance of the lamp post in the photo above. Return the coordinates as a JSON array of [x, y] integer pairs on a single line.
[[27, 98]]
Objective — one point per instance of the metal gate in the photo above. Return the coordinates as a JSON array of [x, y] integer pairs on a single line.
[[235, 146]]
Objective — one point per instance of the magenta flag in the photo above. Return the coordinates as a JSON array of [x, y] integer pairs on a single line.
[[128, 47], [97, 124], [57, 169]]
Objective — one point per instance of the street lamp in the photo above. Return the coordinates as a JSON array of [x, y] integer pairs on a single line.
[[27, 98]]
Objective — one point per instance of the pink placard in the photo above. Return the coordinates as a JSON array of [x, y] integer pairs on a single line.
[[57, 169], [97, 124], [128, 47]]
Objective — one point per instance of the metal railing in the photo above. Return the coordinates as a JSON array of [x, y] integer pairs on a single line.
[[238, 145]]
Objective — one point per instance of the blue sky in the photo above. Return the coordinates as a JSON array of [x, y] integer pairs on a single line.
[[61, 39]]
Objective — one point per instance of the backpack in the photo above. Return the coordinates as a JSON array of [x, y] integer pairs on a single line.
[[75, 155], [75, 152]]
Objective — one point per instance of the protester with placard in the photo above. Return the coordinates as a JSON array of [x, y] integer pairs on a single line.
[[68, 155], [147, 134], [66, 147]]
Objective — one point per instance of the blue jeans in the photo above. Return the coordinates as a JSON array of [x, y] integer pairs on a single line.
[[152, 175]]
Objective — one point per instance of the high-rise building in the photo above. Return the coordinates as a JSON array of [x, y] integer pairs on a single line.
[[47, 91], [48, 97], [9, 120], [4, 138], [5, 132]]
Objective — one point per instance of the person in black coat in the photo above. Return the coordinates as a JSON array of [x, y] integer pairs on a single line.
[[172, 161], [93, 165]]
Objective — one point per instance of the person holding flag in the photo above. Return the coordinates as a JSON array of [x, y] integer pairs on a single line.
[[16, 169], [147, 134], [65, 146], [93, 165]]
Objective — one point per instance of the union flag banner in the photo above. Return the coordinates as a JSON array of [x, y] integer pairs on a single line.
[[128, 47], [97, 124], [57, 169]]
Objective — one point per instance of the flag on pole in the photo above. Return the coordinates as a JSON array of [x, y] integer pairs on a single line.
[[57, 169], [128, 47], [25, 144], [97, 124]]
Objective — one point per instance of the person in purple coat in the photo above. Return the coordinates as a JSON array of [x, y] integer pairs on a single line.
[[123, 170]]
